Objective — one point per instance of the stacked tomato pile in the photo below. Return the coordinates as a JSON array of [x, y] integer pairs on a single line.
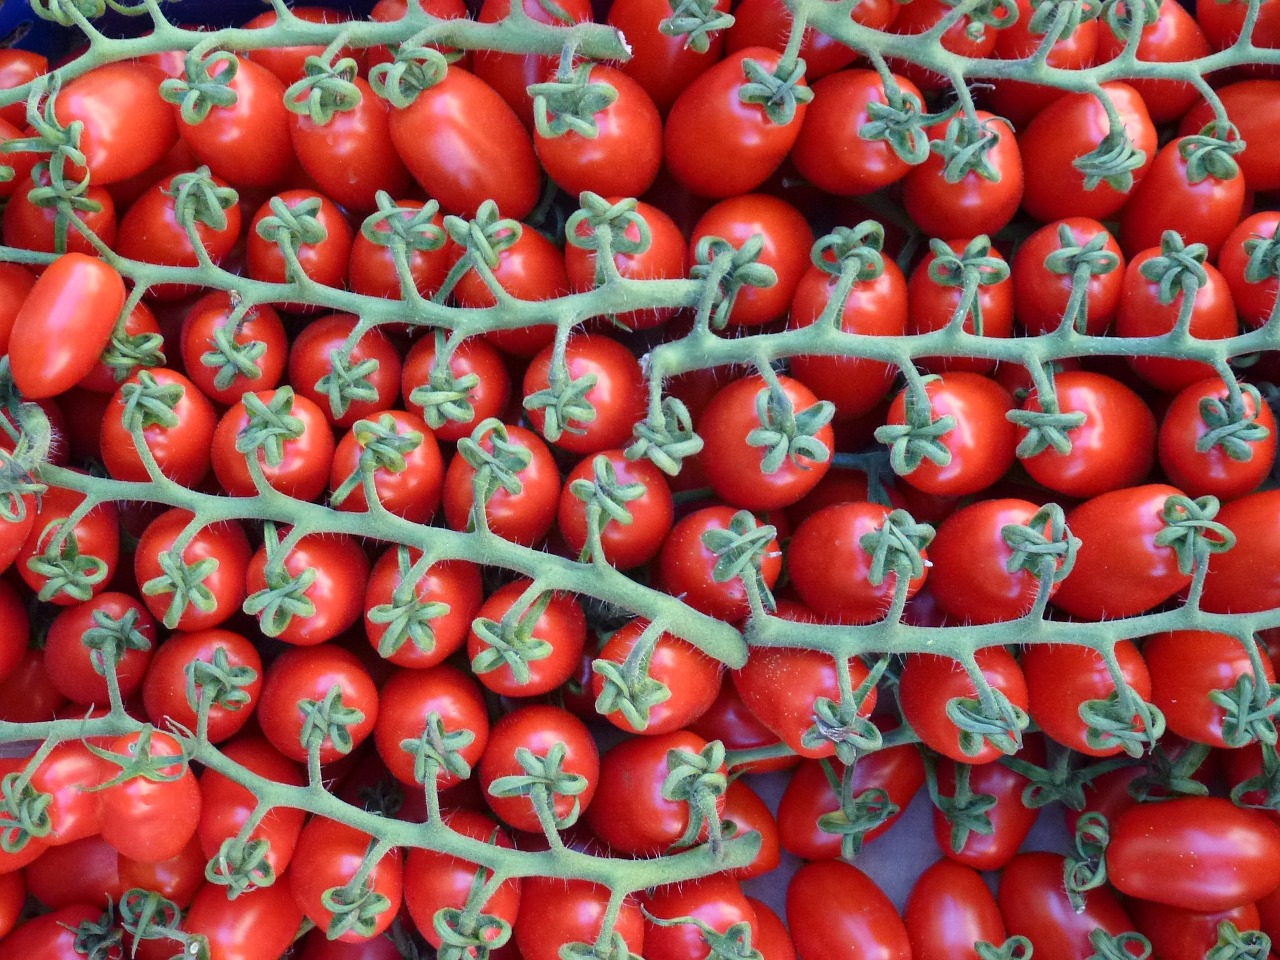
[[453, 461]]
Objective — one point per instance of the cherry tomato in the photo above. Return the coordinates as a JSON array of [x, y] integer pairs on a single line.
[[296, 463], [1173, 37], [145, 819], [323, 261], [686, 564], [480, 385], [524, 516], [534, 654], [1232, 466], [127, 127], [555, 912], [227, 359], [301, 683], [175, 421], [1255, 300], [183, 672], [1042, 289], [1248, 103], [85, 561], [615, 389], [930, 687], [1244, 578], [111, 631], [950, 911], [837, 911], [402, 621], [328, 857], [410, 699], [664, 64], [936, 292]]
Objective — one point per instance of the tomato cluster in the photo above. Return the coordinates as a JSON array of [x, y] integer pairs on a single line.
[[456, 464]]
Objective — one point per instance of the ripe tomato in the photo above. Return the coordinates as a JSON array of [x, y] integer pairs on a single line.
[[373, 270], [405, 461], [1248, 103], [836, 911], [464, 145], [1244, 579], [217, 556], [1112, 449], [226, 360], [555, 912], [1197, 853], [175, 422], [665, 64], [110, 631], [624, 544], [730, 721], [16, 629], [138, 345], [716, 901], [1255, 299], [258, 925], [1018, 101], [287, 433], [963, 35], [523, 516], [1042, 288], [614, 389], [1172, 37], [17, 68], [767, 23], [127, 127], [1186, 935], [933, 301], [748, 813], [472, 381], [950, 911], [1073, 126], [524, 646], [328, 857], [68, 774], [150, 819], [748, 138], [403, 618], [414, 702], [325, 684], [930, 687], [686, 565], [47, 228], [183, 672], [51, 936], [86, 560], [64, 324], [321, 370], [688, 677], [323, 260], [1201, 461], [288, 62]]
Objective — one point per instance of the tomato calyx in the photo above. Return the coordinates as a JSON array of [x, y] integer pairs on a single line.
[[1192, 533], [733, 944], [483, 240], [901, 122], [270, 425], [606, 501], [1048, 427], [858, 814], [697, 779], [966, 811], [65, 570], [356, 906], [1114, 160], [99, 939], [970, 270], [328, 720], [150, 403], [496, 469], [564, 402], [665, 437], [198, 199], [628, 686], [991, 717], [1119, 946], [241, 866], [1043, 546], [897, 547], [407, 618], [779, 93], [1266, 784], [1249, 709], [1210, 155], [785, 434], [1232, 424], [544, 779], [1234, 944], [1124, 719], [445, 397], [1015, 948], [218, 682], [966, 145], [740, 552], [1086, 869], [511, 643], [110, 638], [437, 749], [326, 88], [185, 581], [24, 812], [570, 103], [919, 438], [142, 763], [843, 723], [230, 358], [467, 933], [696, 21], [207, 84], [1081, 262], [285, 594], [609, 226], [382, 447], [725, 270], [146, 915], [291, 228], [402, 230], [414, 69], [611, 947], [61, 143], [857, 250], [1178, 270]]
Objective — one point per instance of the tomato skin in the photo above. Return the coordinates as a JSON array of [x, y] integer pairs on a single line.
[[146, 820], [352, 156], [562, 625], [372, 268], [181, 451], [747, 811], [1114, 448], [624, 545], [308, 673], [930, 682], [1040, 296], [324, 262], [523, 517], [18, 68], [14, 633], [1018, 101], [746, 145], [735, 468], [27, 695], [685, 565], [409, 697], [730, 721], [127, 127], [329, 854], [1244, 578], [50, 936], [787, 240], [532, 268], [718, 901], [898, 771], [692, 678], [258, 925], [837, 911], [950, 910], [303, 473], [13, 897], [1197, 853], [68, 775], [96, 535], [337, 592], [1034, 904], [70, 664], [830, 568], [64, 324], [1072, 126], [964, 37], [1254, 302], [629, 812], [1174, 37], [931, 306], [288, 63], [663, 65], [1186, 667], [1213, 472], [464, 144], [767, 23], [260, 324], [164, 690], [311, 358], [554, 912], [490, 397], [16, 282], [1184, 935], [1249, 104], [619, 394], [412, 492], [1061, 678], [26, 224]]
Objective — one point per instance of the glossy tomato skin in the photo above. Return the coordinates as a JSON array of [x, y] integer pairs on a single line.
[[531, 268], [96, 535], [767, 23], [730, 721], [1070, 127], [1034, 904], [524, 517], [372, 270], [1041, 295], [930, 682], [837, 911], [27, 224], [409, 697], [258, 925], [1255, 302], [181, 449], [288, 63], [830, 568], [455, 583], [561, 624], [464, 145], [932, 306], [225, 543], [1187, 667], [1213, 472], [1062, 678], [317, 349], [325, 261], [1197, 853], [748, 813], [625, 545], [76, 669], [787, 239], [336, 592], [63, 325], [1245, 579], [328, 855], [735, 468], [19, 67], [50, 936], [555, 912], [746, 145], [69, 774], [127, 127], [1186, 935], [309, 673], [1120, 570], [164, 691], [663, 65], [1173, 37], [685, 566], [146, 820], [949, 911], [413, 491], [1113, 448], [962, 36], [1019, 101], [1248, 103]]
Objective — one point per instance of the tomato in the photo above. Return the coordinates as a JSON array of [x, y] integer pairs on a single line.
[[938, 291], [830, 565], [716, 902], [523, 516], [188, 667], [767, 23], [348, 387], [351, 156], [437, 882], [258, 925], [688, 680], [316, 946], [27, 695], [1034, 904], [950, 911], [538, 730], [1113, 448], [954, 195], [1042, 289], [625, 154], [1073, 126], [228, 806], [646, 500], [410, 701], [812, 801], [174, 420], [686, 565], [402, 454], [152, 232], [326, 684], [18, 68], [1243, 579], [748, 813], [323, 260], [15, 630], [51, 936], [631, 812], [1121, 570], [612, 386], [1255, 298], [137, 346], [16, 282], [464, 145], [388, 11], [288, 62], [1062, 680], [837, 911], [212, 589], [933, 686], [771, 936], [963, 35], [1186, 935], [1018, 101], [13, 897], [523, 646], [665, 64], [227, 353], [64, 323], [1200, 460], [127, 127], [555, 912], [718, 143], [312, 593], [1188, 668], [403, 621], [287, 433], [52, 227], [328, 857], [373, 269], [145, 819], [1173, 37], [1223, 27], [68, 774], [1197, 853], [730, 721], [245, 142], [110, 628], [1248, 104], [786, 238], [84, 563], [468, 387], [874, 307]]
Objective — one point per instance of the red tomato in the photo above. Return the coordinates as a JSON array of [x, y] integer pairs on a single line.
[[717, 901], [64, 324], [15, 630], [216, 558], [1199, 459], [288, 62], [287, 433], [836, 911], [1173, 37], [1248, 104], [51, 936], [1042, 287], [767, 23], [374, 271], [1255, 298], [18, 68], [328, 685], [127, 127], [950, 911], [68, 774], [44, 228], [150, 819], [137, 346], [962, 35], [523, 516], [614, 389], [1185, 935], [258, 925], [1245, 579], [323, 260], [536, 652], [468, 387], [328, 857], [174, 420], [403, 618], [312, 593], [555, 912], [321, 370], [686, 565], [16, 282], [1197, 853], [1018, 101], [932, 686], [85, 561], [410, 699], [228, 352], [110, 631], [192, 664], [401, 452], [939, 289], [665, 64], [718, 143], [642, 490], [730, 721]]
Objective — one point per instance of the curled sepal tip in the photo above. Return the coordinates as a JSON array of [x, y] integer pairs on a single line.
[[733, 944], [857, 817], [1179, 269], [413, 70], [1232, 426], [920, 437], [328, 719], [734, 268], [1124, 720], [1015, 948], [511, 643], [1191, 532], [355, 907], [1119, 946], [326, 89], [1113, 162], [1044, 542], [991, 718], [1212, 156], [437, 750], [965, 147], [857, 249], [897, 547], [24, 813], [241, 866], [787, 435], [544, 775], [1249, 711], [207, 84], [698, 780], [901, 122], [1236, 944], [464, 936], [1086, 868]]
